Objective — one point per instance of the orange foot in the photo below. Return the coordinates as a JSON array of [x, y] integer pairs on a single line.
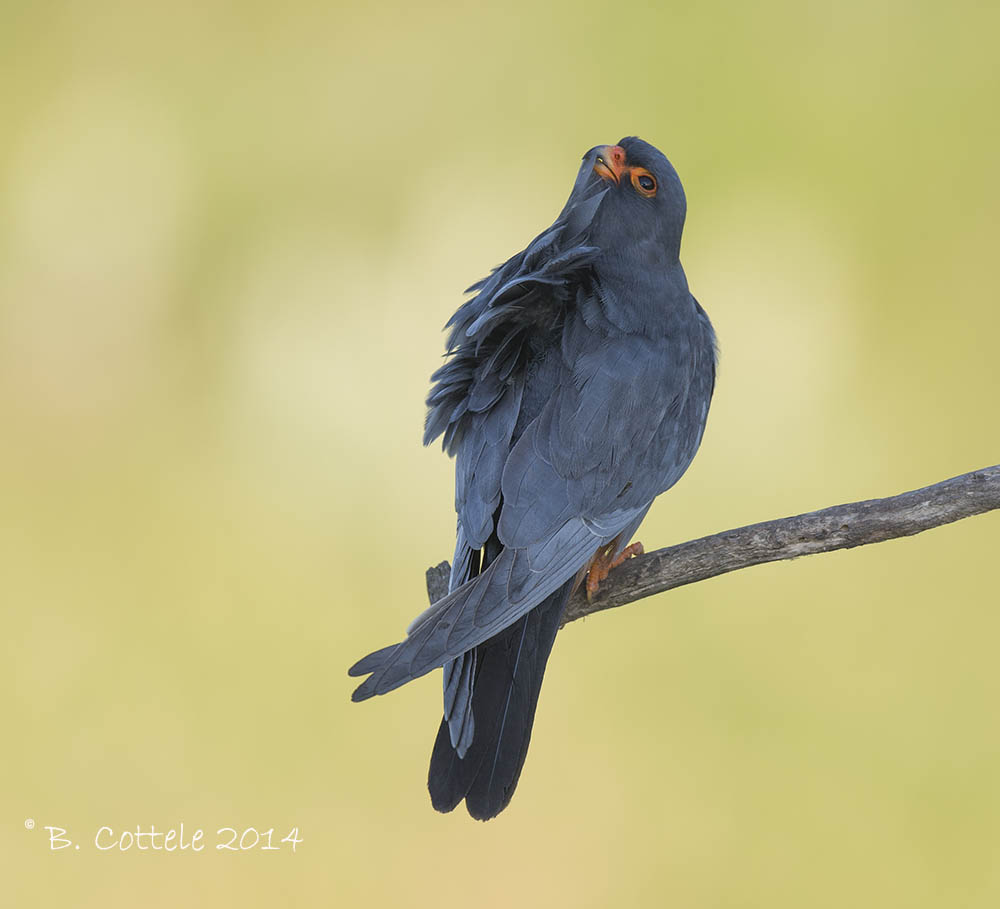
[[603, 563]]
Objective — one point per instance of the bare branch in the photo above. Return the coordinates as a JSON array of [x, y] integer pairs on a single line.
[[839, 527]]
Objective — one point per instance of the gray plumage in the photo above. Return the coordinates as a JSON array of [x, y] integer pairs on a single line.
[[576, 390]]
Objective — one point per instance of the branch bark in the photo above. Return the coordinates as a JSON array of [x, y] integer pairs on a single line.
[[839, 527]]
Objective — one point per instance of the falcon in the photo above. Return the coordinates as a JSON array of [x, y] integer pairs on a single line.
[[576, 389]]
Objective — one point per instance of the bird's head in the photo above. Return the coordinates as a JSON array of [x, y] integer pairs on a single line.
[[631, 197]]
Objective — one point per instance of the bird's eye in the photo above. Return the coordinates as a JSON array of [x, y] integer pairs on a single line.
[[644, 182]]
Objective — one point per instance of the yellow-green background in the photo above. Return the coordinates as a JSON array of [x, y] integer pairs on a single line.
[[229, 237]]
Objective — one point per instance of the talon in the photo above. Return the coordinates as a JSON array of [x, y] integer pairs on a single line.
[[603, 563], [634, 549]]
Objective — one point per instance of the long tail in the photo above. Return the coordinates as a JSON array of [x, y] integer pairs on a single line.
[[509, 670]]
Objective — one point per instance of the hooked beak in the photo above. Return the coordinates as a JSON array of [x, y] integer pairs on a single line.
[[610, 163]]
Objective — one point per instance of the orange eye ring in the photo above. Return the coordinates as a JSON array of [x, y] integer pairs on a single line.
[[644, 182]]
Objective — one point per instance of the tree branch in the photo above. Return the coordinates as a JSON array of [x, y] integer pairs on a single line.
[[839, 527]]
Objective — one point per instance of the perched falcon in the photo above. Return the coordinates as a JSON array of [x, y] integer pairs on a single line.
[[575, 391]]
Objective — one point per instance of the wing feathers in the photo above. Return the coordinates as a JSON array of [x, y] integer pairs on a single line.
[[505, 591]]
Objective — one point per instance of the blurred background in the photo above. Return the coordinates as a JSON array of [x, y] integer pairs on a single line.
[[230, 235]]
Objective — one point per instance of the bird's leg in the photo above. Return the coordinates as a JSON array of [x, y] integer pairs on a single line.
[[600, 565], [604, 562]]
